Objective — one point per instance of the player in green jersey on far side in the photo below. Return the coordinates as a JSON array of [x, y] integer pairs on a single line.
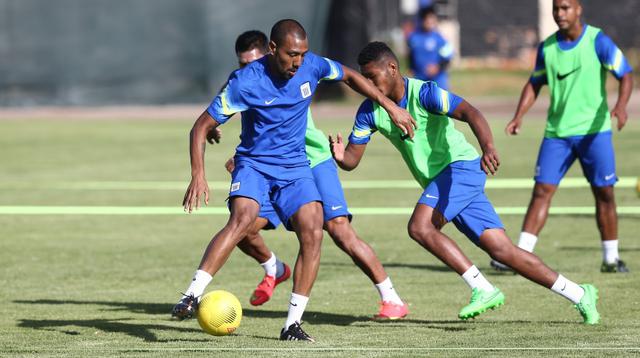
[[574, 62]]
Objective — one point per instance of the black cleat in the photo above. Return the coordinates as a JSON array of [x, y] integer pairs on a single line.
[[295, 333], [619, 266], [185, 308], [500, 267]]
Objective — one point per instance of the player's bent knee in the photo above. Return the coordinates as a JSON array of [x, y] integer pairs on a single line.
[[605, 195], [543, 191], [421, 232]]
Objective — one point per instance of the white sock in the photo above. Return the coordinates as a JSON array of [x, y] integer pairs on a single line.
[[527, 241], [568, 289], [297, 305], [269, 266], [279, 268], [387, 293], [199, 282], [610, 251], [474, 278]]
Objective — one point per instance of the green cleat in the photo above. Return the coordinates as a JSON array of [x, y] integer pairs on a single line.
[[587, 305], [481, 301]]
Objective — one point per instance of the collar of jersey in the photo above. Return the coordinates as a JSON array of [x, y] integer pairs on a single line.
[[568, 45], [403, 101]]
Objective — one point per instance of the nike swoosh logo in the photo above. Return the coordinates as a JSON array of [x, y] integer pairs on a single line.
[[476, 274], [610, 176], [293, 304], [336, 207], [565, 286], [269, 102], [562, 77], [430, 196]]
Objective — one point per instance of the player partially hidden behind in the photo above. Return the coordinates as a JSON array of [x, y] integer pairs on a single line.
[[574, 62], [250, 46], [274, 93], [429, 52], [451, 173]]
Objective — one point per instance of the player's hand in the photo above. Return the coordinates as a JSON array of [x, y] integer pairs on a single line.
[[337, 147], [196, 189], [490, 161], [621, 114], [214, 135], [230, 165], [403, 120], [513, 127], [432, 70]]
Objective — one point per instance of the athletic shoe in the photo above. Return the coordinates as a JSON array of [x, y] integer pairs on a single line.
[[295, 333], [500, 267], [587, 305], [185, 308], [481, 301], [618, 266], [391, 311], [265, 288]]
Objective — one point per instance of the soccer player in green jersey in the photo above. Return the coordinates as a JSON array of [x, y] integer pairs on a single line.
[[250, 46], [453, 177], [574, 62]]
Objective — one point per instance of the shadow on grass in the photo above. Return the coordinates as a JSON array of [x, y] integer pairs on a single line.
[[313, 317], [133, 307], [137, 330], [596, 248], [428, 267]]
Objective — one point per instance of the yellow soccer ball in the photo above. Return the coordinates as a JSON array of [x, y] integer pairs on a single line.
[[219, 313]]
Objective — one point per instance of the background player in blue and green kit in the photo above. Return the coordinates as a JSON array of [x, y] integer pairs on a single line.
[[274, 93], [574, 63], [251, 46], [451, 173]]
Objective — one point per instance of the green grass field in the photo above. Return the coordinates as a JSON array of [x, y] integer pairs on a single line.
[[103, 285]]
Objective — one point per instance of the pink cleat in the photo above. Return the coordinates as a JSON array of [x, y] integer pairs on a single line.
[[265, 288], [391, 311]]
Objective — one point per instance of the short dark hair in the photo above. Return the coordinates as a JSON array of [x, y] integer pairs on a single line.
[[426, 11], [375, 51], [251, 39], [285, 27]]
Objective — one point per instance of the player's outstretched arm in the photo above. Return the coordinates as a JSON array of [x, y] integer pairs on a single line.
[[527, 98], [468, 113], [197, 142], [349, 158], [624, 93], [400, 117]]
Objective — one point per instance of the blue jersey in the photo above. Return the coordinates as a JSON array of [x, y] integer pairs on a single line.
[[274, 118], [608, 54], [429, 48]]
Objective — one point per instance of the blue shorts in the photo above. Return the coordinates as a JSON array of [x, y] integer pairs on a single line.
[[328, 183], [458, 194], [288, 189], [594, 151]]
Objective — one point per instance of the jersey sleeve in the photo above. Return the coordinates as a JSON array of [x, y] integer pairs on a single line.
[[436, 100], [539, 75], [328, 70], [230, 100], [611, 57], [365, 124], [445, 52]]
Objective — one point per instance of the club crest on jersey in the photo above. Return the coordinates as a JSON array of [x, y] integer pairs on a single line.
[[305, 90]]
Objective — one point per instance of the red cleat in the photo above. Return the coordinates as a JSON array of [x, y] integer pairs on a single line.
[[391, 311], [265, 288]]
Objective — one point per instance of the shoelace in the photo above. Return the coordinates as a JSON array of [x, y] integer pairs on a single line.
[[297, 330]]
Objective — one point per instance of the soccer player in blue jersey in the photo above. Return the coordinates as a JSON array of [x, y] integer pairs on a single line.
[[274, 93], [250, 46], [429, 52], [574, 62], [453, 177]]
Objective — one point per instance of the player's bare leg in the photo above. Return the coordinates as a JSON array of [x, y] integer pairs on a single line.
[[534, 220], [276, 271], [345, 237], [496, 243], [243, 214], [307, 223], [607, 219], [424, 228]]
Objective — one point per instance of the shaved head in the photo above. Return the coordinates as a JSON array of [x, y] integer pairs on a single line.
[[287, 27]]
